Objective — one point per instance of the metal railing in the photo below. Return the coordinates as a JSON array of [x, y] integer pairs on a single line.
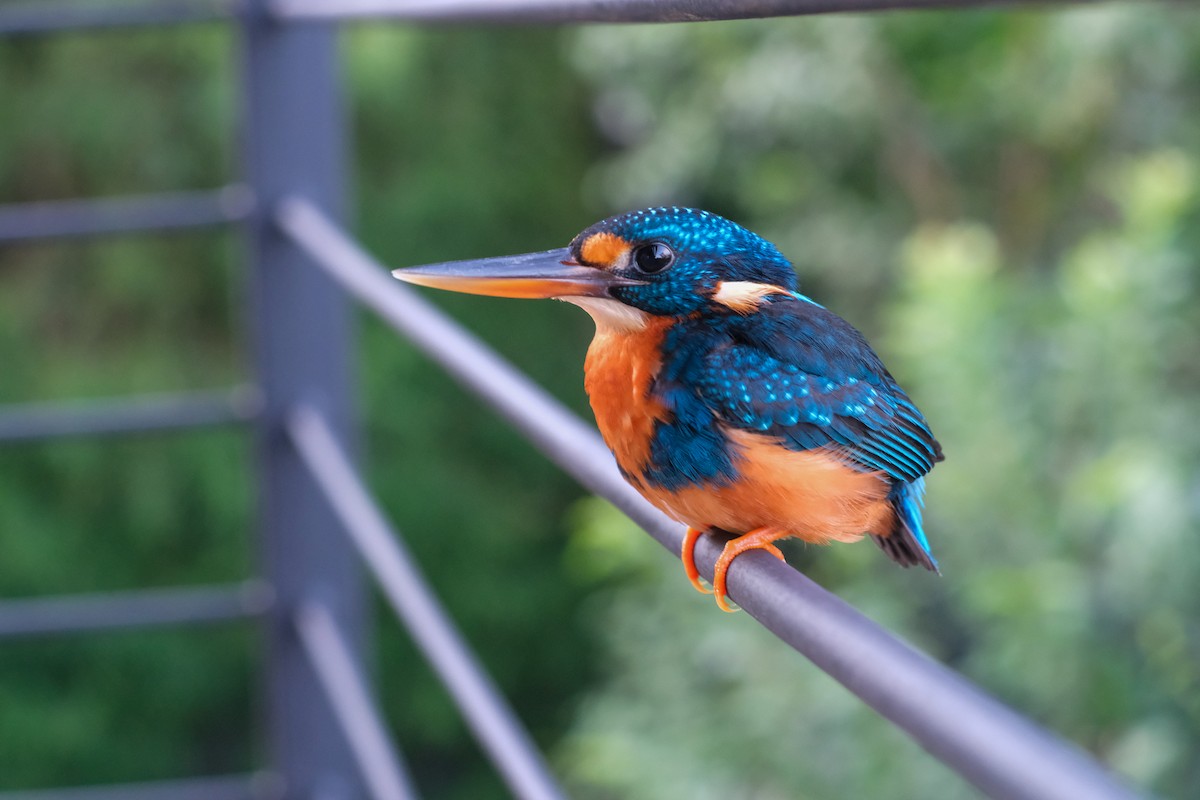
[[576, 11], [144, 414], [991, 746], [323, 723], [159, 212]]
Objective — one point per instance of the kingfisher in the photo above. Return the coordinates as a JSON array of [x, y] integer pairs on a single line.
[[730, 400]]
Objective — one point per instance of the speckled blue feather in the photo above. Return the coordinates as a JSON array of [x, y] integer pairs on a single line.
[[794, 371]]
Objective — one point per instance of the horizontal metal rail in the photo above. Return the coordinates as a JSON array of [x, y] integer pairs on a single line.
[[564, 11], [493, 723], [136, 414], [261, 786], [135, 609], [355, 710], [168, 211], [33, 17], [996, 749]]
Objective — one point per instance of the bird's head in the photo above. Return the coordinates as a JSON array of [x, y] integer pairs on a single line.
[[659, 261]]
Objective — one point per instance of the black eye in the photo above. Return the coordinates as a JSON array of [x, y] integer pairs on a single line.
[[653, 257]]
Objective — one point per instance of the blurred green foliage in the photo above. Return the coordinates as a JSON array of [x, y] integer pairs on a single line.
[[1007, 203]]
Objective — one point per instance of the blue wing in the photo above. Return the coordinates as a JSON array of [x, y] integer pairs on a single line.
[[798, 372]]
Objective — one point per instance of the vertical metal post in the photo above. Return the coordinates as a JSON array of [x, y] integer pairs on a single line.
[[300, 322]]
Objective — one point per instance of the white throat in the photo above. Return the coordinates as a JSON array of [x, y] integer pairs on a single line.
[[611, 316]]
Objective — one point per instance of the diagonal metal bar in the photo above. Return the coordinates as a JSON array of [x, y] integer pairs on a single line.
[[993, 747], [372, 746], [138, 414], [59, 219], [94, 612], [34, 17], [261, 786], [495, 726], [564, 11], [556, 431]]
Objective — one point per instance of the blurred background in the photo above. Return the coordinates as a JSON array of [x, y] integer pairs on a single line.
[[1007, 203]]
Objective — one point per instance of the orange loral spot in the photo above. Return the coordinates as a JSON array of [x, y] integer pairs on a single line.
[[604, 249]]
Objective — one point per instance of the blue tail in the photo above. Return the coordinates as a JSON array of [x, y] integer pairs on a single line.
[[907, 544]]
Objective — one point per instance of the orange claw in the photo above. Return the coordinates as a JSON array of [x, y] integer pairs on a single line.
[[757, 539], [688, 555]]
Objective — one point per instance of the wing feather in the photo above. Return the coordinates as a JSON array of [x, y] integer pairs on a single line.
[[798, 372]]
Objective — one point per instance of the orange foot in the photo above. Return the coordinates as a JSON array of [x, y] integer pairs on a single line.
[[689, 560], [757, 539]]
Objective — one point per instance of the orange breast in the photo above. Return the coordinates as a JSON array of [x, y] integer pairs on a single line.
[[617, 375], [812, 494]]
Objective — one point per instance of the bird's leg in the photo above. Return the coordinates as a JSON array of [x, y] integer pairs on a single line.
[[757, 539], [689, 559]]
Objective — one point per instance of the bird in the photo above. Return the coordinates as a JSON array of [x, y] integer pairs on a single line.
[[729, 400]]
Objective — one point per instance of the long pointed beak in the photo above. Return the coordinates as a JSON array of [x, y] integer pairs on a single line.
[[554, 273]]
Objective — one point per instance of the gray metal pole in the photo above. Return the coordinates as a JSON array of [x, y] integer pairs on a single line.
[[301, 327], [528, 12], [362, 725], [503, 738]]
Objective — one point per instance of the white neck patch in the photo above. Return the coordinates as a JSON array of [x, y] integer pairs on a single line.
[[744, 296]]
